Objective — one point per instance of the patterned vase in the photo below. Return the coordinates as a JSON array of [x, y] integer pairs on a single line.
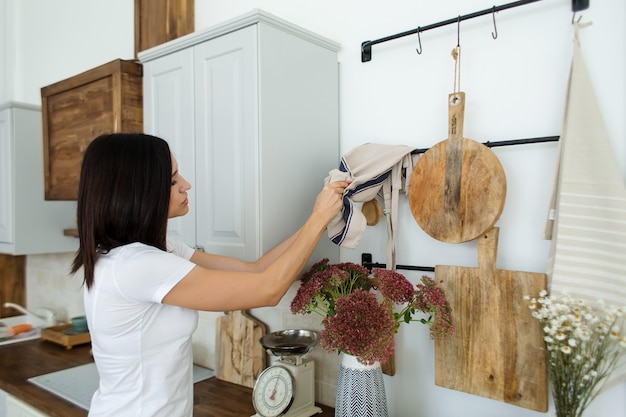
[[360, 390]]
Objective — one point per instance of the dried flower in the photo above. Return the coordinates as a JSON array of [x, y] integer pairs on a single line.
[[361, 326], [394, 286], [358, 307], [584, 345], [431, 299]]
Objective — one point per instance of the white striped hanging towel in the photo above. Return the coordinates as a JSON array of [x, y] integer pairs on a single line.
[[587, 221]]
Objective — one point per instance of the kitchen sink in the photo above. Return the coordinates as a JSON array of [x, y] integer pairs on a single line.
[[36, 322]]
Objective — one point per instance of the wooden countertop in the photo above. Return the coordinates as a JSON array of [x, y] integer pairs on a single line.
[[20, 361]]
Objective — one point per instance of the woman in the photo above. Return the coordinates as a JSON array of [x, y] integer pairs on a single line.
[[142, 291]]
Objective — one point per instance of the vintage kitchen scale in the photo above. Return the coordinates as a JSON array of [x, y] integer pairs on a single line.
[[287, 387]]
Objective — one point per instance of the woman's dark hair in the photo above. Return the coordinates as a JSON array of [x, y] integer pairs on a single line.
[[123, 196]]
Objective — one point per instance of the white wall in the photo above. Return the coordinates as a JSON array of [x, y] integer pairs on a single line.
[[54, 40], [515, 88]]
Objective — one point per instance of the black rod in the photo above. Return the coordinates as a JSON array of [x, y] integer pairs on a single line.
[[521, 141], [366, 47], [366, 261], [507, 142], [370, 265]]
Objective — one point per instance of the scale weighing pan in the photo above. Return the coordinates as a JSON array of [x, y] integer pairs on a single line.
[[289, 342]]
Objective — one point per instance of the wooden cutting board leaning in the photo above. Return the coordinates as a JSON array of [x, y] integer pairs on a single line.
[[240, 356], [497, 350]]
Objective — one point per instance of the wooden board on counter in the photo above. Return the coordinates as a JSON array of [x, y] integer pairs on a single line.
[[240, 356], [56, 334]]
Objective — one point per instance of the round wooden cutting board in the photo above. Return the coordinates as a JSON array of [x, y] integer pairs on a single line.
[[458, 187]]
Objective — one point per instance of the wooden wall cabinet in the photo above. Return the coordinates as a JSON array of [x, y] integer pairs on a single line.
[[160, 21], [105, 99]]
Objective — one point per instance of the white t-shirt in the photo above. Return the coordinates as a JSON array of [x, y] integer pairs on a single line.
[[142, 348]]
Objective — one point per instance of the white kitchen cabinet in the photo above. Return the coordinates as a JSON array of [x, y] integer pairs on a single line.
[[28, 223], [17, 408], [250, 109]]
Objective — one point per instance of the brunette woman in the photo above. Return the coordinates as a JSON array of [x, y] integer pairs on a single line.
[[142, 290]]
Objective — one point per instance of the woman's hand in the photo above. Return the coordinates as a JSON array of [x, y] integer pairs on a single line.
[[329, 201]]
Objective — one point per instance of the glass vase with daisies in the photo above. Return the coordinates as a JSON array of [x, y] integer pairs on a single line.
[[584, 342], [361, 311]]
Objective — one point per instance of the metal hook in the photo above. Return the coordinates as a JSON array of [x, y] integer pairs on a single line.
[[495, 28], [419, 41], [458, 31], [573, 16]]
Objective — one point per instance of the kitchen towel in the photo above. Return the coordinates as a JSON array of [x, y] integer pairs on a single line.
[[587, 220], [373, 170]]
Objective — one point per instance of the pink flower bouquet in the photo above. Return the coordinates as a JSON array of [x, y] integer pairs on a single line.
[[359, 309]]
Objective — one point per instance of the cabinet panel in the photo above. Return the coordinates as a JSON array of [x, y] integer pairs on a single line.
[[28, 223], [6, 169], [226, 151], [299, 130], [168, 113]]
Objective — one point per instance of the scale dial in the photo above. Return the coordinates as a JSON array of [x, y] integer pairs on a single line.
[[273, 392]]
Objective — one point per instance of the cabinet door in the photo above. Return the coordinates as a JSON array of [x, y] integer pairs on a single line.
[[168, 113], [227, 144], [6, 177]]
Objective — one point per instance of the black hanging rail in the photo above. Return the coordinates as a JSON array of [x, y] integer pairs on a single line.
[[366, 47], [507, 142], [366, 261]]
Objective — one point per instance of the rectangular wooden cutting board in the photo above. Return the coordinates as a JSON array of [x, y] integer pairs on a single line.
[[240, 356], [497, 350]]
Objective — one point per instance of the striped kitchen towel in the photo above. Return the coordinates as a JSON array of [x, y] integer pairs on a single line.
[[587, 221], [373, 170]]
